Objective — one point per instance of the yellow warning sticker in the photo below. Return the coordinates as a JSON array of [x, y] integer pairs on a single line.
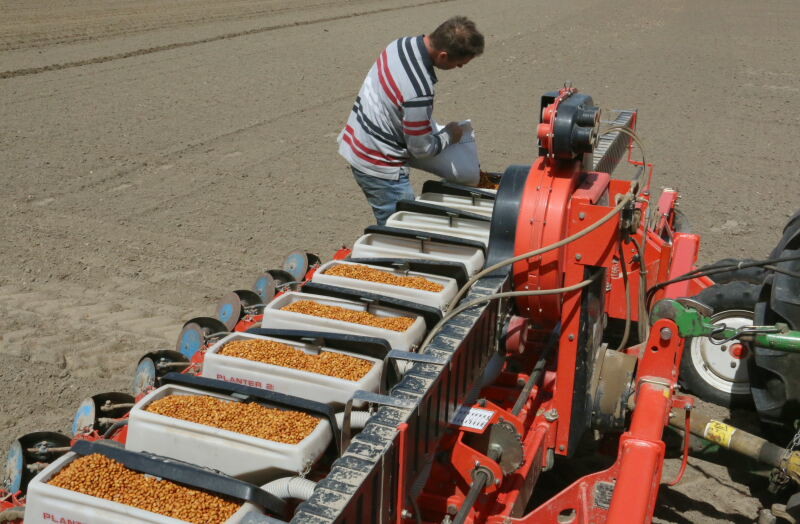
[[719, 432]]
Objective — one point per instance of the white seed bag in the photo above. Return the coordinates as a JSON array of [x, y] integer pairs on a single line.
[[458, 163]]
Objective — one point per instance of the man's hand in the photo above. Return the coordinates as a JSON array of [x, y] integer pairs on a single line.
[[455, 131]]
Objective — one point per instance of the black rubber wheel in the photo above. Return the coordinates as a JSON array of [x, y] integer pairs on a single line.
[[153, 366], [720, 373], [776, 389], [196, 333], [754, 275], [32, 448], [105, 406]]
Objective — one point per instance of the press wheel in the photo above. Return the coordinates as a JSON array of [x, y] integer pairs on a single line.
[[195, 333], [297, 263], [231, 307]]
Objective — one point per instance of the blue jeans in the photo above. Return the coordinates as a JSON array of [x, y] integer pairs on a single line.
[[382, 194]]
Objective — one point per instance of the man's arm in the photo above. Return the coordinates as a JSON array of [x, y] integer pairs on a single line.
[[421, 141]]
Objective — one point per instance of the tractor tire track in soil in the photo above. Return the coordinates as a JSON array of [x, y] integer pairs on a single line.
[[40, 347], [227, 36]]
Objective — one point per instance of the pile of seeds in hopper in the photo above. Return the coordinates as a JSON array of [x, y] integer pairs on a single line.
[[309, 307], [248, 418], [99, 476], [361, 272], [326, 363]]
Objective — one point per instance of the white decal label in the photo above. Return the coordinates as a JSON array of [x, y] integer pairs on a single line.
[[471, 417]]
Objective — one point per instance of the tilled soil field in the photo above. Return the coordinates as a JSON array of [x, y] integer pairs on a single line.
[[155, 155]]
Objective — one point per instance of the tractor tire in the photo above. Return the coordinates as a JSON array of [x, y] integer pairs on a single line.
[[754, 275], [720, 373], [776, 388]]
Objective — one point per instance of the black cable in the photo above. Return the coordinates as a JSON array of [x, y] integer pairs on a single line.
[[702, 272], [644, 314], [628, 313], [740, 265], [776, 269]]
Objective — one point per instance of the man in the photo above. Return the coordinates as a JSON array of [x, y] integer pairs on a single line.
[[391, 122]]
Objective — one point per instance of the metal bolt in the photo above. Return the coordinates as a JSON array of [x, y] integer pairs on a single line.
[[578, 256], [561, 447], [551, 415], [581, 215], [666, 333], [406, 514], [571, 337], [452, 509]]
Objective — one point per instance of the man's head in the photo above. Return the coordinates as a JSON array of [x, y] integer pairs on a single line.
[[455, 42]]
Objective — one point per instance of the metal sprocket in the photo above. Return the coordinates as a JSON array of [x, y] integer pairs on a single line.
[[504, 435]]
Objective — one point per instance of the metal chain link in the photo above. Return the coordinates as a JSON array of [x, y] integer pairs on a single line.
[[779, 477]]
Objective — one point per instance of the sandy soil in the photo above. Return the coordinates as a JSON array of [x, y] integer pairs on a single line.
[[154, 156]]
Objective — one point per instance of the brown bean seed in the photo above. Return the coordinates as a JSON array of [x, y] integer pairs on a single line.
[[310, 307], [362, 272], [99, 476], [326, 363]]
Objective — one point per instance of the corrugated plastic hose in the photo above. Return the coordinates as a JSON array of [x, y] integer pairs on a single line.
[[291, 488], [358, 419]]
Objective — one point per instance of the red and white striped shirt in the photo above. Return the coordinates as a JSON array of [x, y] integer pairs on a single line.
[[391, 121]]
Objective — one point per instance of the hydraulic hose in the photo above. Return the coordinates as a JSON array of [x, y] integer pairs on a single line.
[[114, 427], [496, 296], [644, 315], [624, 267], [624, 200]]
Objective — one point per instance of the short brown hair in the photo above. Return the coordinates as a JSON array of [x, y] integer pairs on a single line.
[[459, 37]]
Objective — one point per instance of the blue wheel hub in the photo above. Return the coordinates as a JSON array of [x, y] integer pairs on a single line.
[[15, 464], [191, 342], [226, 312], [262, 287], [145, 377], [84, 417], [296, 264]]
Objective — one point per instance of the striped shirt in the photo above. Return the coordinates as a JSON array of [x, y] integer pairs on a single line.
[[391, 121]]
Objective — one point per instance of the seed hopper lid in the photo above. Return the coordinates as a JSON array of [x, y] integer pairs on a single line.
[[427, 208], [455, 270], [186, 474], [448, 188], [261, 396], [425, 236], [431, 315], [360, 345]]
